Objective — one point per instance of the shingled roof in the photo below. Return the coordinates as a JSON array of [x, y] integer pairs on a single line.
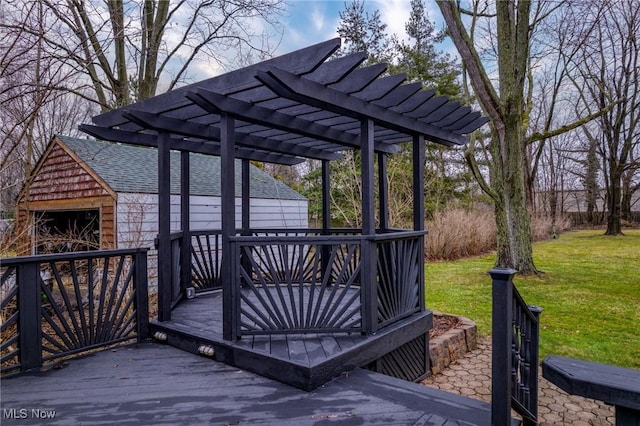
[[127, 168]]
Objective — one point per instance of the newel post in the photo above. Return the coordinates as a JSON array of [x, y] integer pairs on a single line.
[[502, 330], [141, 286], [29, 304]]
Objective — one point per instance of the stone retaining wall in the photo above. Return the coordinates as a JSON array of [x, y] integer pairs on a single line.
[[452, 345]]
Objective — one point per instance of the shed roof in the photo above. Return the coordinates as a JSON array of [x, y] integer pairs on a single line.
[[296, 106], [134, 169]]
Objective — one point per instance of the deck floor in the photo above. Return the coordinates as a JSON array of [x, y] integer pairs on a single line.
[[302, 360], [151, 383], [202, 317]]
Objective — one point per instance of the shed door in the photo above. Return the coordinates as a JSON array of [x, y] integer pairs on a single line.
[[60, 231]]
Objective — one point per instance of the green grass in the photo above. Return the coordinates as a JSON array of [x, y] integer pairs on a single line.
[[590, 292]]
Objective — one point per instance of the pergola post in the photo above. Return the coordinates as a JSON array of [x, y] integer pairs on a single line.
[[185, 246], [383, 192], [326, 197], [368, 248], [418, 205], [164, 227], [246, 198], [246, 209], [227, 193], [326, 214]]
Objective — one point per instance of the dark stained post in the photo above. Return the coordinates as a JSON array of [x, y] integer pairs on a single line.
[[246, 198], [185, 246], [142, 293], [326, 197], [368, 248], [164, 226], [29, 302], [533, 361], [502, 329], [325, 252], [227, 190], [246, 209], [418, 205], [383, 191]]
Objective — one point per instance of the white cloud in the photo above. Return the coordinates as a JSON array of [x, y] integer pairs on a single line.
[[394, 13]]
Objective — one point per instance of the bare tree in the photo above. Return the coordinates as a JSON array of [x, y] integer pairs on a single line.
[[126, 50], [509, 29], [62, 61], [610, 75]]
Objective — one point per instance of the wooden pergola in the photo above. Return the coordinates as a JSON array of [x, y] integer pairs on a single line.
[[303, 105]]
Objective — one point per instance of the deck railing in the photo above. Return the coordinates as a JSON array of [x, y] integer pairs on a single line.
[[315, 283], [54, 306], [516, 329]]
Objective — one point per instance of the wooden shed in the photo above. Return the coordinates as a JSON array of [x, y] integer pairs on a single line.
[[105, 195]]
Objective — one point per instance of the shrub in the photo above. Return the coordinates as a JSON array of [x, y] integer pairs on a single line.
[[542, 226], [455, 233]]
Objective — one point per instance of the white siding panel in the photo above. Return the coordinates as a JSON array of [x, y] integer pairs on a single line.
[[137, 218]]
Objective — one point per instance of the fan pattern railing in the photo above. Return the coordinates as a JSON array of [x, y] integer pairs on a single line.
[[289, 285], [58, 305], [399, 275], [298, 281]]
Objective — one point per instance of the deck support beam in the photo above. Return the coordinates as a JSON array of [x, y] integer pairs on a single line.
[[227, 192], [164, 229], [368, 248]]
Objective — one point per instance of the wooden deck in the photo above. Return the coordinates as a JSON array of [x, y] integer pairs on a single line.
[[152, 383], [305, 361]]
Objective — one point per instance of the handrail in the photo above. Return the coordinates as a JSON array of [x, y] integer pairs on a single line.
[[58, 305], [515, 341]]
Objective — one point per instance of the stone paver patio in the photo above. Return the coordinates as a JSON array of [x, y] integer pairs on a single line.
[[471, 376]]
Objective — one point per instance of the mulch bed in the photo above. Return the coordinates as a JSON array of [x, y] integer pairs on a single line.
[[442, 324]]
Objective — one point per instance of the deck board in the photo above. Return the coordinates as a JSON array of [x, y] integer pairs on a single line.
[[302, 360], [150, 383], [202, 316]]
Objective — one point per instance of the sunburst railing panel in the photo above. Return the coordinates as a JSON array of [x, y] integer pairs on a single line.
[[298, 285], [72, 302]]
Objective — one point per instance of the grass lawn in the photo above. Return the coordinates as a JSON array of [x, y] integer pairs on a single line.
[[590, 292]]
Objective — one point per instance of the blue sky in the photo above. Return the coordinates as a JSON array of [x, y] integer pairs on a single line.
[[312, 21]]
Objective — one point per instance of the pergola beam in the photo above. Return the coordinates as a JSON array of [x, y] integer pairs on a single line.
[[179, 144], [302, 90], [220, 104], [211, 133]]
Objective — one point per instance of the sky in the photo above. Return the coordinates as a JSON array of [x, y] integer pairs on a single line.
[[312, 21]]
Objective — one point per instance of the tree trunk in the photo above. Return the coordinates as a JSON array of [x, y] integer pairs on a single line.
[[514, 242], [591, 182], [507, 189], [614, 200]]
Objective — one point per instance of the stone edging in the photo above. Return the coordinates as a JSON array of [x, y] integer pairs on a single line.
[[453, 344]]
